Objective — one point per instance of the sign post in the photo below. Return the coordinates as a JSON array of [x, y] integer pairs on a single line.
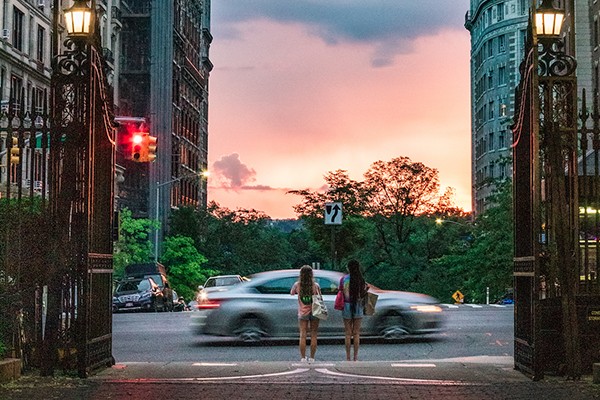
[[333, 217]]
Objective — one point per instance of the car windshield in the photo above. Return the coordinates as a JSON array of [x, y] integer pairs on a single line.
[[134, 286], [225, 281]]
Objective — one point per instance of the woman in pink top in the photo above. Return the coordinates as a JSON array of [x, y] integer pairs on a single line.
[[305, 287]]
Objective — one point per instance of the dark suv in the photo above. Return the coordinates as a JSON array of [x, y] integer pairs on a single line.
[[139, 294]]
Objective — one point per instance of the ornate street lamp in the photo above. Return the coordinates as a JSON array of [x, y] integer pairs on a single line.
[[548, 19], [78, 19]]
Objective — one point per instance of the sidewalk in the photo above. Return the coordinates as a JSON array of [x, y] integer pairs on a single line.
[[474, 378]]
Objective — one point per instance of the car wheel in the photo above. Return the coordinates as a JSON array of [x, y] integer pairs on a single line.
[[392, 326], [250, 329]]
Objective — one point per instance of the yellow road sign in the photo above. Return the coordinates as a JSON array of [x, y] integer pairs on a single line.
[[458, 296]]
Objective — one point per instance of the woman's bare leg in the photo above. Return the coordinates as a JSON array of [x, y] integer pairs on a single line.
[[303, 325], [356, 334], [348, 336], [314, 329]]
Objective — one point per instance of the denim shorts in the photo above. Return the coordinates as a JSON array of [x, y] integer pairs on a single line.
[[307, 317], [358, 311]]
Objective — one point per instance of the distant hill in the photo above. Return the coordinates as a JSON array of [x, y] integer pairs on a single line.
[[286, 225]]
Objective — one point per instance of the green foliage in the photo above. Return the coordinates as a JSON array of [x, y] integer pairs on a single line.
[[134, 244], [486, 260], [241, 241], [184, 265]]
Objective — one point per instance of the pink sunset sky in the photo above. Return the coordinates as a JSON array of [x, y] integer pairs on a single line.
[[306, 87]]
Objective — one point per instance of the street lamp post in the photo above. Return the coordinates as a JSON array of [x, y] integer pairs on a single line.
[[558, 148], [545, 192]]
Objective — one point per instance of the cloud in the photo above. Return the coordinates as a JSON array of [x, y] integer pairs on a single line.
[[232, 173], [390, 26]]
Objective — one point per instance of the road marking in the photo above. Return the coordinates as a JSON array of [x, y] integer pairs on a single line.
[[414, 365], [206, 379], [316, 364], [497, 305], [387, 378], [450, 305], [474, 305], [208, 364]]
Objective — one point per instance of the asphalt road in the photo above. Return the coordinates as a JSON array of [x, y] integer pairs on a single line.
[[471, 331]]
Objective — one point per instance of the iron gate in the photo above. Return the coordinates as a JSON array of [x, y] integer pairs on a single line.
[[57, 199], [556, 182]]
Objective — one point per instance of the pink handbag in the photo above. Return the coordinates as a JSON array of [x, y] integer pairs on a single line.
[[339, 300]]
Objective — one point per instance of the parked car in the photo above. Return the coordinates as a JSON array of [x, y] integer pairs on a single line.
[[263, 307], [158, 273], [218, 283], [136, 294]]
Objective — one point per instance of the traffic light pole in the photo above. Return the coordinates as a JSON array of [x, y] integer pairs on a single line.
[[157, 205]]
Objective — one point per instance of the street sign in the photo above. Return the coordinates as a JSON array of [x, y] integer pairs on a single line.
[[458, 297], [333, 213]]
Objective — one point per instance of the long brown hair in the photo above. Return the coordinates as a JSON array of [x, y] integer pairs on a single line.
[[306, 284], [357, 282]]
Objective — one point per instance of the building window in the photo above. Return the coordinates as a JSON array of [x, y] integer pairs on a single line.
[[502, 110], [491, 110], [524, 6], [501, 75], [41, 35], [501, 43], [38, 100], [500, 11], [491, 141], [501, 140], [16, 91], [17, 31]]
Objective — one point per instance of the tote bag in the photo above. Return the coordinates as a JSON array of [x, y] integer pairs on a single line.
[[370, 302], [319, 309]]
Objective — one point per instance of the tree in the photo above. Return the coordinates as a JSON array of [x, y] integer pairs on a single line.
[[133, 245], [347, 238], [184, 265], [487, 259], [238, 241]]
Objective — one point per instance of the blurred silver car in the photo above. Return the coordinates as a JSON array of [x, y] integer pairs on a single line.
[[263, 307]]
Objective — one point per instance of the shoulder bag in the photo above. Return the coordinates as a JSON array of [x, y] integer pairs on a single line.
[[319, 309], [370, 302]]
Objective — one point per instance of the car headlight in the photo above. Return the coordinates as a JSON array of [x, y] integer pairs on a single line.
[[427, 308], [115, 299], [202, 296]]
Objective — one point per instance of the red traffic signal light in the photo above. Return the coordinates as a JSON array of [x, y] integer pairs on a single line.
[[137, 147]]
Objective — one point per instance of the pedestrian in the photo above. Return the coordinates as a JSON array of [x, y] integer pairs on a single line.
[[305, 288], [355, 289]]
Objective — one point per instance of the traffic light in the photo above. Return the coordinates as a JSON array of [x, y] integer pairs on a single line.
[[151, 145], [15, 152], [139, 149]]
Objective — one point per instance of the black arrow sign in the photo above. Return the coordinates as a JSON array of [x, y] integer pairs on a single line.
[[336, 209]]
